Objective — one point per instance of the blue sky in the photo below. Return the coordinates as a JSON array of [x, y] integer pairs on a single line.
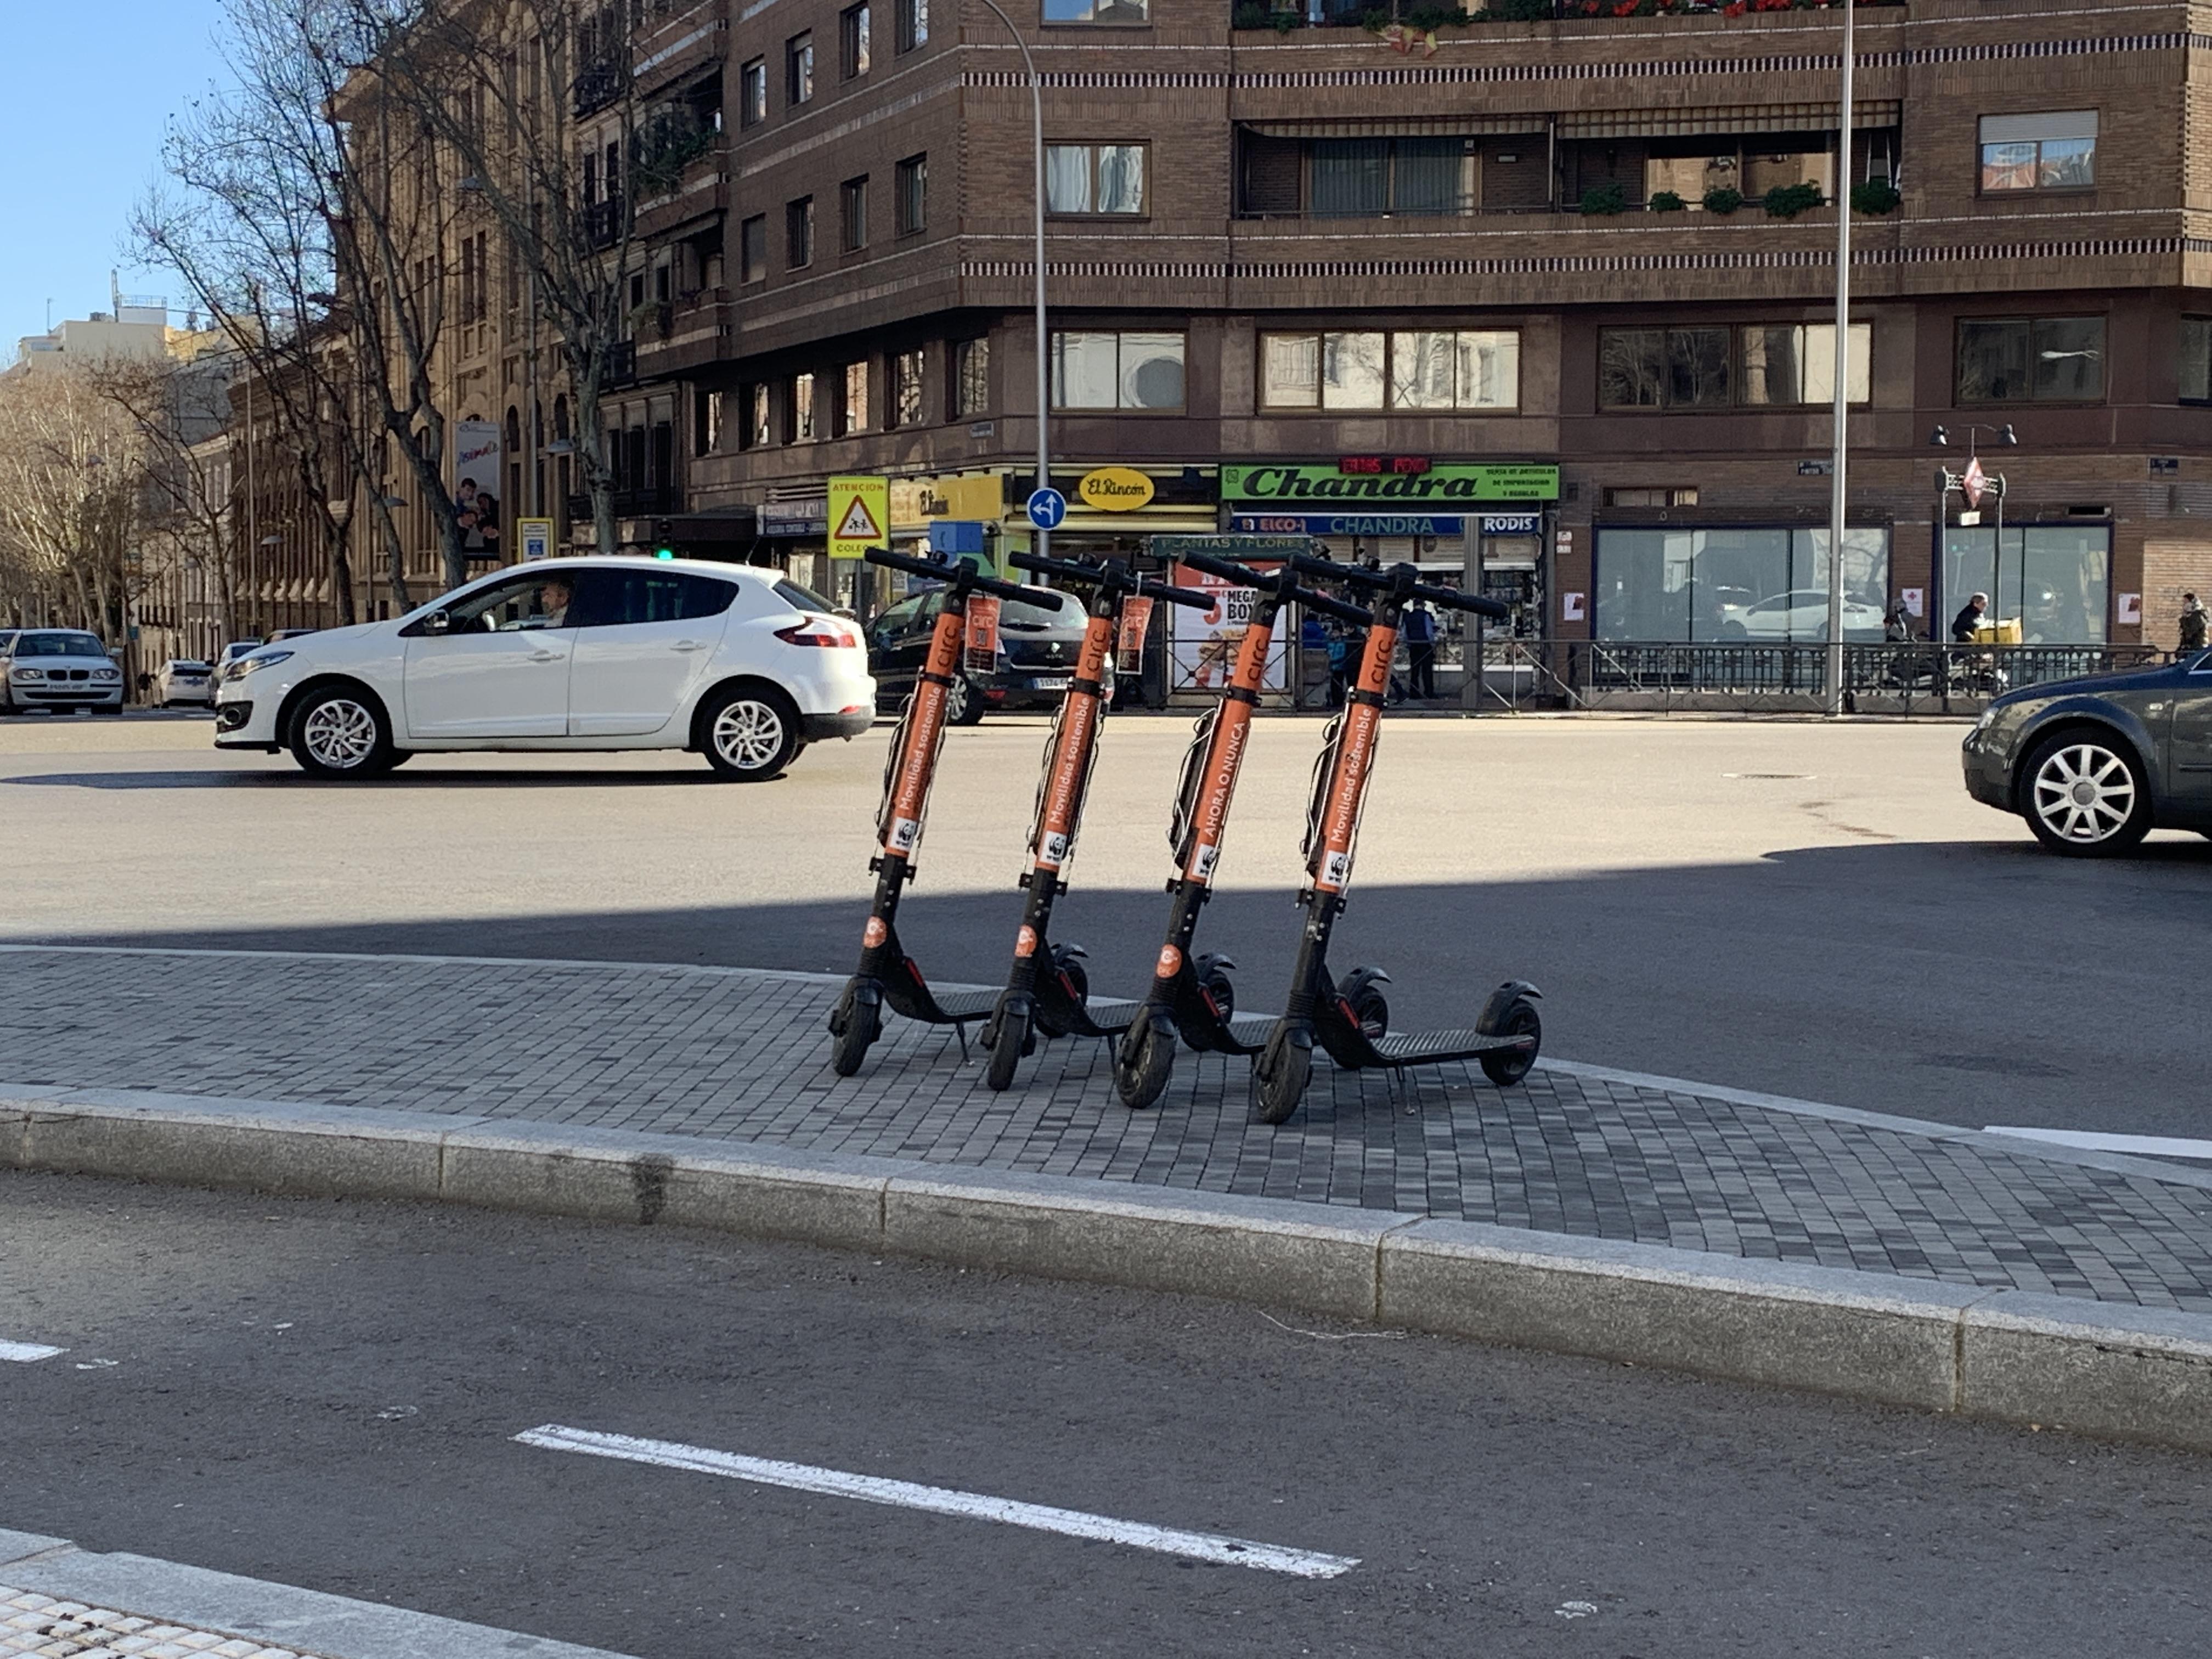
[[89, 92]]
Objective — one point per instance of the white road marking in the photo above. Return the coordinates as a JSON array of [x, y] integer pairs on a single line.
[[2090, 1140], [942, 1500], [25, 1352]]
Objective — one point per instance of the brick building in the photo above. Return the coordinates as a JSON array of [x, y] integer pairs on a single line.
[[1279, 244]]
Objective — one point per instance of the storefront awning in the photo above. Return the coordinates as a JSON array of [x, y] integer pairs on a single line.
[[1748, 117]]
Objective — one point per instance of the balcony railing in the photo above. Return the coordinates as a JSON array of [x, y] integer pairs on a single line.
[[598, 86], [605, 221], [620, 369], [1428, 16]]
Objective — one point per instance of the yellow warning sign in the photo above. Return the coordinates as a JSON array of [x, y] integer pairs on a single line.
[[859, 515]]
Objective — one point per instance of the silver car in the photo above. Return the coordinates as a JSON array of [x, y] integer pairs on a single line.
[[61, 669]]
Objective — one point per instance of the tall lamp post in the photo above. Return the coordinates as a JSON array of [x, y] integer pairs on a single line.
[[1838, 491], [1947, 482], [1043, 340]]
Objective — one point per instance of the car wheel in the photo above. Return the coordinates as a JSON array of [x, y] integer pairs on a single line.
[[2085, 795], [339, 733], [963, 703], [749, 732]]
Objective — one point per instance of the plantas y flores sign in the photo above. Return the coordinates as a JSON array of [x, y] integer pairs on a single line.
[[1443, 482]]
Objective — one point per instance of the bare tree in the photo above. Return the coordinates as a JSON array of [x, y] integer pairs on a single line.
[[70, 493]]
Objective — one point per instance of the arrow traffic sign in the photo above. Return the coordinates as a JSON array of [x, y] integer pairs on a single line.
[[1046, 508]]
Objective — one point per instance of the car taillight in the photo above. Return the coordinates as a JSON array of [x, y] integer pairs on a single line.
[[818, 631]]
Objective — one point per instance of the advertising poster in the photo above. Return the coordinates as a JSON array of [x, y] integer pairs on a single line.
[[477, 473], [1203, 643]]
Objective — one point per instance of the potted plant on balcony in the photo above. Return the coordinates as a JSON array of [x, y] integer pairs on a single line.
[[1788, 201], [1666, 200], [1605, 200], [1874, 197], [1722, 199]]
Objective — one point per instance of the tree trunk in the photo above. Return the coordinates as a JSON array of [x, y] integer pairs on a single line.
[[342, 579]]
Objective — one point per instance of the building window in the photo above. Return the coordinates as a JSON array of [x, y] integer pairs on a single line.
[[2056, 578], [753, 92], [706, 421], [2196, 359], [760, 430], [1097, 11], [1677, 495], [1117, 371], [752, 249], [913, 194], [2040, 152], [1372, 178], [2037, 359], [853, 214], [853, 41], [799, 68], [906, 388], [1664, 368], [853, 413], [913, 24], [1424, 368], [1098, 179], [971, 378], [1796, 363], [1762, 585], [798, 234], [802, 409]]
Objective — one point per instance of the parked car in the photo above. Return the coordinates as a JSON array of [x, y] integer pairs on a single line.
[[1801, 617], [2094, 764], [183, 679], [63, 669], [277, 634], [594, 653], [1039, 640]]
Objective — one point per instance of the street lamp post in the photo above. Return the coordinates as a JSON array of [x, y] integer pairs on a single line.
[[1043, 340], [1838, 492], [1946, 482]]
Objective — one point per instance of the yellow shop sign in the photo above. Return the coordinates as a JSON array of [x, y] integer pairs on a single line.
[[1116, 490]]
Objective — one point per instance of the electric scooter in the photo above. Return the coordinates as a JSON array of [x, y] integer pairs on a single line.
[[1192, 996], [1046, 990], [887, 976], [1352, 1019]]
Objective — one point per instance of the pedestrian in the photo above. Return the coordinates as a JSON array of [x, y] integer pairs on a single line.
[[1421, 648], [1339, 661], [2193, 620], [1968, 619], [1897, 627]]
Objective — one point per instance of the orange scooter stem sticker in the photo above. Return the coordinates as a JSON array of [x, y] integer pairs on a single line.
[[1331, 868], [911, 794], [1071, 760], [1230, 735]]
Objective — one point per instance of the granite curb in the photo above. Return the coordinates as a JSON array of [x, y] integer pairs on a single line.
[[2106, 1369]]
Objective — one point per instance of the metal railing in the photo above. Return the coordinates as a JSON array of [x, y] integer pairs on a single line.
[[1917, 676], [1428, 14]]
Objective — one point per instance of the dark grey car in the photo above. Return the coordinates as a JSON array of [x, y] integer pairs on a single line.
[[2096, 764], [1039, 640]]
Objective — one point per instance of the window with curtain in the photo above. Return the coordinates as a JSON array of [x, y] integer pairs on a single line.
[[971, 378], [2196, 359], [1796, 362], [802, 408], [1409, 369], [1094, 179], [1377, 177], [1133, 370], [2052, 151], [1097, 11], [752, 249], [855, 413]]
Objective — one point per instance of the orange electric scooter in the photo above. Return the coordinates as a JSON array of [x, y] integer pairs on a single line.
[[887, 976], [1048, 992], [1352, 1019], [1192, 996]]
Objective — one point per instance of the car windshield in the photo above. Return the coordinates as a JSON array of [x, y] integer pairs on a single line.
[[59, 645], [188, 666], [1045, 608]]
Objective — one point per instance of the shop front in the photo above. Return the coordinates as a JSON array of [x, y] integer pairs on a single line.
[[1741, 584]]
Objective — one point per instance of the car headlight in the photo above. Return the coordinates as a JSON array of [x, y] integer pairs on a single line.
[[26, 673], [1989, 718], [239, 669], [107, 673]]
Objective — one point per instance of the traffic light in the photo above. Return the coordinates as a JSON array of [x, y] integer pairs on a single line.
[[663, 540]]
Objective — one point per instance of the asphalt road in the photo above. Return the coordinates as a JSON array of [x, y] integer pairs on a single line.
[[1803, 908], [325, 1394]]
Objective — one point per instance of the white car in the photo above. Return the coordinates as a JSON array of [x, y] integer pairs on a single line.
[[63, 669], [183, 679], [1801, 617], [730, 661]]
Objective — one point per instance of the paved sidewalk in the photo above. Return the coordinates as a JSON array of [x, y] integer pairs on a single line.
[[734, 1055]]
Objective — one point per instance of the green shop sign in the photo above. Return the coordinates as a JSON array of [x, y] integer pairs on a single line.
[[1447, 481]]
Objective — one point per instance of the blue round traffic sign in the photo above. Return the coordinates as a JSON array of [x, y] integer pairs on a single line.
[[1047, 508]]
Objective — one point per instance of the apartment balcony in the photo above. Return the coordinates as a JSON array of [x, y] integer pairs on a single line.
[[604, 223], [621, 367], [684, 334], [600, 85], [1421, 17]]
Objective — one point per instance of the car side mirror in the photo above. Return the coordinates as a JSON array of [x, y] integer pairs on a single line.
[[438, 622]]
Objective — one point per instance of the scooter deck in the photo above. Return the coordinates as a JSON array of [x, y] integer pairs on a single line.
[[938, 1008], [1109, 1017], [1422, 1048]]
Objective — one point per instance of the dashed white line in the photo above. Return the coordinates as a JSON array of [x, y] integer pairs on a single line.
[[25, 1352], [942, 1500]]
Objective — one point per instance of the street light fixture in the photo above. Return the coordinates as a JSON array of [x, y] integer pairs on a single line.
[[1946, 480]]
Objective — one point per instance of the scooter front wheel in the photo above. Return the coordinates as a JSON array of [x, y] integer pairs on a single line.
[[1144, 1060], [1007, 1042], [1279, 1074], [855, 1026], [1506, 1066]]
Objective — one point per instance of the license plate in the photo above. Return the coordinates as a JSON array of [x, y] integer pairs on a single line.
[[1056, 684]]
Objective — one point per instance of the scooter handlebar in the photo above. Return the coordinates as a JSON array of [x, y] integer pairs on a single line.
[[1097, 571], [1379, 580], [956, 575], [1244, 576]]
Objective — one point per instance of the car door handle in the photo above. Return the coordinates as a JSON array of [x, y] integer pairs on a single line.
[[687, 645], [545, 656]]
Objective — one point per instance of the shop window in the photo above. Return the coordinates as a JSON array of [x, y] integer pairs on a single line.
[[853, 214], [853, 41], [1094, 179], [906, 388], [2055, 578], [799, 69], [1756, 586], [1117, 371], [2031, 360], [913, 180], [852, 411], [798, 234], [753, 92], [1427, 368], [913, 24], [2056, 151], [1375, 178], [752, 249], [971, 378], [1097, 11], [2196, 359]]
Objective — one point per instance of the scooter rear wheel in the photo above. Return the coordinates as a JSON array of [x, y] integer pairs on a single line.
[[1279, 1074], [1006, 1046], [862, 1026], [1144, 1060], [1506, 1067]]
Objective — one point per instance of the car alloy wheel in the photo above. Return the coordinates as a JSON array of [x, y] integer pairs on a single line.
[[749, 735], [2083, 794], [340, 734]]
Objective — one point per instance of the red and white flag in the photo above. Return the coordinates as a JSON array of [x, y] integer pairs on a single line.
[[1973, 481]]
